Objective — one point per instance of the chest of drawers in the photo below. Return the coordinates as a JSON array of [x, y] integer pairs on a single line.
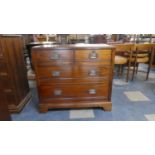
[[13, 77], [72, 76]]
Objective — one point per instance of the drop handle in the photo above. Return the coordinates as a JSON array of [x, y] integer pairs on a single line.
[[92, 73], [93, 55], [57, 92], [55, 56], [56, 73], [92, 91]]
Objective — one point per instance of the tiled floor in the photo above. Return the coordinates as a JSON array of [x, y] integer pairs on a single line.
[[132, 101], [150, 117], [134, 96], [74, 114]]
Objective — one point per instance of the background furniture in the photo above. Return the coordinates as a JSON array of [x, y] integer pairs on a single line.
[[123, 57], [13, 74], [4, 111], [63, 38], [74, 76], [153, 55], [143, 54]]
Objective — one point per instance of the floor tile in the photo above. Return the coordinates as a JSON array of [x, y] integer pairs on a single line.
[[150, 117], [119, 82], [82, 113], [136, 96], [152, 75]]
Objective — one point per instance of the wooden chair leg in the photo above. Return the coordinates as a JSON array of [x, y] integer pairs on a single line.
[[133, 74], [127, 75], [122, 68], [119, 70], [137, 68], [148, 71], [150, 64]]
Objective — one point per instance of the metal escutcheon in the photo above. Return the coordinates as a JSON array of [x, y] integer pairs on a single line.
[[56, 73], [55, 56], [93, 55], [92, 91], [57, 92], [92, 72]]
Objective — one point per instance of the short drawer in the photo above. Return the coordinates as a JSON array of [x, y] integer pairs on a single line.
[[76, 71], [93, 55], [74, 90], [54, 55]]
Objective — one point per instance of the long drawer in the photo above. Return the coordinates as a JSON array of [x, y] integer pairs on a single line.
[[76, 71], [74, 90], [54, 55]]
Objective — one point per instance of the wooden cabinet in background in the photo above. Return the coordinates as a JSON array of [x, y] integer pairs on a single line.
[[74, 76], [4, 111], [13, 74]]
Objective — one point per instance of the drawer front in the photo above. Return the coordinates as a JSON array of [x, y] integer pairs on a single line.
[[74, 91], [93, 55], [54, 55], [76, 71]]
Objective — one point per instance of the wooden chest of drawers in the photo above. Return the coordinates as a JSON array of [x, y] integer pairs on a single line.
[[74, 76], [13, 76]]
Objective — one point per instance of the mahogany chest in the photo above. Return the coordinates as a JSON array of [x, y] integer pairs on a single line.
[[13, 75], [74, 76]]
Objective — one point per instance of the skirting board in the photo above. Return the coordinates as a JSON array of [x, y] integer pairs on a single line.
[[17, 109]]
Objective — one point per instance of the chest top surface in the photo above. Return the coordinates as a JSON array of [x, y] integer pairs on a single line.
[[73, 47]]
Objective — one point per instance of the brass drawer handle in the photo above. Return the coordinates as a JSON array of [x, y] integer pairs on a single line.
[[7, 90], [56, 73], [57, 92], [55, 56], [92, 91], [92, 72], [93, 55]]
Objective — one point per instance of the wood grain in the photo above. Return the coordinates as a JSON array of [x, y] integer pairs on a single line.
[[79, 77], [13, 73]]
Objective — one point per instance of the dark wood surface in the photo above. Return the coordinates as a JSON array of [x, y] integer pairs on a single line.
[[153, 61], [74, 76], [4, 111], [13, 72]]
